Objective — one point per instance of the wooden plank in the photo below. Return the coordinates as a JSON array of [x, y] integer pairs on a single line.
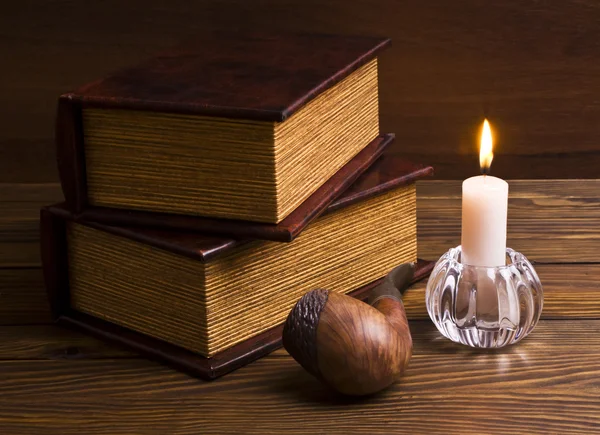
[[19, 221], [546, 384], [553, 355], [23, 297], [539, 189], [570, 291], [499, 411], [451, 166], [40, 342], [568, 210], [449, 66], [548, 220]]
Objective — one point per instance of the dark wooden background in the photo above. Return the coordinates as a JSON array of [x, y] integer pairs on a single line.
[[531, 66]]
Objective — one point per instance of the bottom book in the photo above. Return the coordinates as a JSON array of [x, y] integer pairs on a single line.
[[189, 362], [209, 304]]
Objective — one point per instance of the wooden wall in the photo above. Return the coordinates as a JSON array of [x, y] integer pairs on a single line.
[[531, 66]]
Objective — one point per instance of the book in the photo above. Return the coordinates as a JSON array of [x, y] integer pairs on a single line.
[[206, 295], [284, 231], [192, 363], [230, 126]]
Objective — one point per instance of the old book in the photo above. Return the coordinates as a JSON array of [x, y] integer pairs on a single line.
[[284, 231], [185, 360], [211, 296], [233, 126]]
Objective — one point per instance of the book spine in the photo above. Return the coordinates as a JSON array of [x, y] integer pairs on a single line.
[[70, 152], [53, 245]]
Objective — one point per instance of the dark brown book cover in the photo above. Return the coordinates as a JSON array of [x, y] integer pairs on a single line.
[[259, 76], [251, 76]]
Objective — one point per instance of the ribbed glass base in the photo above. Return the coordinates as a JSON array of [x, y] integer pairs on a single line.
[[484, 307], [475, 337]]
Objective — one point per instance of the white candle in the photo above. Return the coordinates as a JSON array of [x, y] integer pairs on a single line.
[[484, 212]]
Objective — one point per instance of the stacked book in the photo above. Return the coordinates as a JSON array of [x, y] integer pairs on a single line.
[[208, 189]]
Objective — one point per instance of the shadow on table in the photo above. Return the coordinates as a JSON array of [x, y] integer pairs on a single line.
[[299, 385]]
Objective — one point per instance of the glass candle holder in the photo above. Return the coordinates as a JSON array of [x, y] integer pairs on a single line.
[[484, 307]]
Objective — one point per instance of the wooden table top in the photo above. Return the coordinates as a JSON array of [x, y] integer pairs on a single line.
[[55, 381]]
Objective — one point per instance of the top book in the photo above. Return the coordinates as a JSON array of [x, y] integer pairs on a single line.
[[230, 126]]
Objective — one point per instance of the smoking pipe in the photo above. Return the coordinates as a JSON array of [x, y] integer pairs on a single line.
[[355, 347]]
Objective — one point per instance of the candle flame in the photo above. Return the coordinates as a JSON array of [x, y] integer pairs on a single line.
[[485, 148]]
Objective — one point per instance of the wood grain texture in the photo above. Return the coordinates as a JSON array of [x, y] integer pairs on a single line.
[[546, 384], [550, 410], [362, 349], [547, 347], [570, 291], [528, 66], [548, 220], [19, 221], [51, 342], [23, 297], [561, 165]]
